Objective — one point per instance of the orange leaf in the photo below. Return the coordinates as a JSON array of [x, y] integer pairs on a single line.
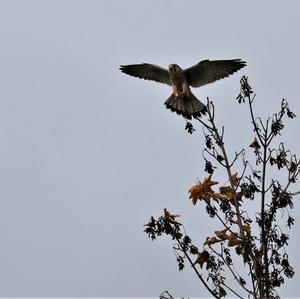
[[196, 192], [207, 183]]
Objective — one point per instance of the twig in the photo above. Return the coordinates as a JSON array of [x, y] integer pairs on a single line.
[[196, 271], [231, 270]]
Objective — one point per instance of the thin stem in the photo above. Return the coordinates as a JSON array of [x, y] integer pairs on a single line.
[[263, 142], [236, 157], [220, 143], [213, 155], [272, 135], [253, 282], [242, 175], [227, 166], [234, 292], [162, 296], [264, 244], [231, 270], [253, 120], [196, 271], [221, 220], [203, 123]]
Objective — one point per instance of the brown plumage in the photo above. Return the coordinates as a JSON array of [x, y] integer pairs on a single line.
[[182, 101]]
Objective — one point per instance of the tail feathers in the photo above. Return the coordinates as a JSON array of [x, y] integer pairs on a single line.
[[187, 106]]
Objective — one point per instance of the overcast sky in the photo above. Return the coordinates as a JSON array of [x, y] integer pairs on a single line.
[[88, 154]]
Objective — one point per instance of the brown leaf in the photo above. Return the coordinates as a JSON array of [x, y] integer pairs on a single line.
[[169, 215], [196, 192], [233, 240], [227, 191], [235, 179], [246, 228], [203, 191], [221, 234], [211, 241], [217, 196], [202, 258], [207, 183]]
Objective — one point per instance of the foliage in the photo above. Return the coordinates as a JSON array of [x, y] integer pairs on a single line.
[[259, 241]]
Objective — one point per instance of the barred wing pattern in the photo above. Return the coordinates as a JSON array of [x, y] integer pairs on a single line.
[[148, 72], [207, 71]]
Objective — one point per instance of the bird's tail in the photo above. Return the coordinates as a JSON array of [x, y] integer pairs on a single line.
[[187, 106]]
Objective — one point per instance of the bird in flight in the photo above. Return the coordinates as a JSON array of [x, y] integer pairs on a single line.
[[182, 100]]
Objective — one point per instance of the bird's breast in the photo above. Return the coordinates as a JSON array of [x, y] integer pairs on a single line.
[[178, 78], [179, 83]]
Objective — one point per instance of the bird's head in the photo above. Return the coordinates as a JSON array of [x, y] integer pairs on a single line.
[[174, 68]]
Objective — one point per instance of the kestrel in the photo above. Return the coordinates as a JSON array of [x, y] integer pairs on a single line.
[[182, 101]]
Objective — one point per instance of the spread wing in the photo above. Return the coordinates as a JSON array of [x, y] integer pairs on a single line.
[[148, 72], [207, 71]]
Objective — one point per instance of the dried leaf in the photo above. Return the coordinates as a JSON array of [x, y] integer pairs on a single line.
[[227, 191], [254, 144], [196, 192], [221, 234], [235, 179], [169, 215], [211, 241], [151, 222], [246, 228], [202, 191], [217, 196], [207, 183], [233, 240], [202, 258]]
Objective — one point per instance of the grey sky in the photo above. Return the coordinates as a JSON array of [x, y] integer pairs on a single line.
[[88, 154]]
